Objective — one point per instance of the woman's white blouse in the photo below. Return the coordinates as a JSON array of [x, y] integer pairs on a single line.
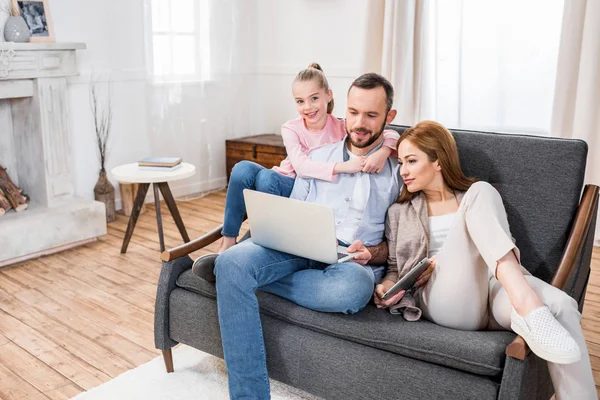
[[439, 226]]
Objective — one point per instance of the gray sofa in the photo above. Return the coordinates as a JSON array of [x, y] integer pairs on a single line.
[[376, 354]]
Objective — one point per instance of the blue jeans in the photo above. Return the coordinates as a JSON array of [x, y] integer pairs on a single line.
[[249, 175], [247, 267]]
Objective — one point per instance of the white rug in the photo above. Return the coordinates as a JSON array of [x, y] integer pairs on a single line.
[[197, 376]]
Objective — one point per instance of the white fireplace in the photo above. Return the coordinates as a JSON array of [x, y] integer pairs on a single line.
[[35, 150]]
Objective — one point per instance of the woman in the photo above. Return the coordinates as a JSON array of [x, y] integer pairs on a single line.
[[475, 280]]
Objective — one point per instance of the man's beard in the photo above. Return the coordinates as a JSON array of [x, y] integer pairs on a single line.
[[372, 139]]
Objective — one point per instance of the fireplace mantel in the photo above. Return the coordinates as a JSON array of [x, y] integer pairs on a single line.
[[35, 149], [39, 60], [42, 46]]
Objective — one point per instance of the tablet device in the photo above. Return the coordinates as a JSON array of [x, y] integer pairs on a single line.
[[408, 280], [346, 257]]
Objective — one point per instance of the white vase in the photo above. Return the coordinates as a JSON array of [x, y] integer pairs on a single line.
[[16, 30]]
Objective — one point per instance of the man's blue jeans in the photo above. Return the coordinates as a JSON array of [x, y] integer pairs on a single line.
[[249, 175], [247, 267]]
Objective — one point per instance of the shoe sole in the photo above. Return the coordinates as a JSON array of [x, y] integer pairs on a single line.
[[541, 353], [202, 271]]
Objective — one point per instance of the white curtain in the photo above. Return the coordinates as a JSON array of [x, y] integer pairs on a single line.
[[408, 59], [576, 112], [468, 63], [199, 65]]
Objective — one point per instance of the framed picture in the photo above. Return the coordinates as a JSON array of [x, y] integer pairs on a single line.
[[37, 17]]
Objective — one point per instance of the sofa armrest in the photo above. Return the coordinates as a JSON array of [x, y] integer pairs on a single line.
[[190, 247], [166, 283], [575, 244], [581, 226]]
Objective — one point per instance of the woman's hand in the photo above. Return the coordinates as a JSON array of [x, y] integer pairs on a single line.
[[351, 166], [424, 278], [381, 289], [376, 161], [363, 255]]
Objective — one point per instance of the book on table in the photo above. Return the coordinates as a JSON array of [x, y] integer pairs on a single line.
[[165, 169], [161, 162]]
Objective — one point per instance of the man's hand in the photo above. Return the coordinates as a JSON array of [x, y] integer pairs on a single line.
[[424, 277], [363, 255], [381, 289], [376, 161], [379, 253]]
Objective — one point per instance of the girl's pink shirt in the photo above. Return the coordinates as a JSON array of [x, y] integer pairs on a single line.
[[299, 142]]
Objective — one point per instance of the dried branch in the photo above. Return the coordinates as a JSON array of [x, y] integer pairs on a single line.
[[102, 112]]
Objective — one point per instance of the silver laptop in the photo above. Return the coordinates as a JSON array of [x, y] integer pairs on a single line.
[[292, 226]]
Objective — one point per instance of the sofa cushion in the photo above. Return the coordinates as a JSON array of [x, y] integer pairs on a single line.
[[540, 180], [329, 367], [480, 352]]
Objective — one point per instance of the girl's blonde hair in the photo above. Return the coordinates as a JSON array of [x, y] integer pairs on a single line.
[[315, 72]]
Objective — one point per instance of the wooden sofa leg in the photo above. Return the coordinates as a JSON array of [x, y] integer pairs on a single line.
[[168, 357]]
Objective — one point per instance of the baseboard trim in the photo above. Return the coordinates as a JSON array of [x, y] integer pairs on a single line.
[[46, 252]]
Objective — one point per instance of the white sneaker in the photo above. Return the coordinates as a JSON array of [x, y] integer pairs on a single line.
[[546, 337]]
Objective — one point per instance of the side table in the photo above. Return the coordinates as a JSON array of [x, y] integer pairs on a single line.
[[130, 173]]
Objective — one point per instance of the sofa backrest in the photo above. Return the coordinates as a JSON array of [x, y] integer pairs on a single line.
[[540, 180]]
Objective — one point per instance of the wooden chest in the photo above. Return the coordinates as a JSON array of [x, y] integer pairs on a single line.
[[266, 149]]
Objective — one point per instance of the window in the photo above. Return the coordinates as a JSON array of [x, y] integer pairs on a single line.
[[179, 49], [496, 63]]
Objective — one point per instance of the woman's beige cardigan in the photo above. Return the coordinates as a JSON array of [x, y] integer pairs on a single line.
[[407, 233]]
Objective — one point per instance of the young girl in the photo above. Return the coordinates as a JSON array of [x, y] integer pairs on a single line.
[[315, 127]]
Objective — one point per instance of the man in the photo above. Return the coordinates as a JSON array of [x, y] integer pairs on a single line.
[[359, 202]]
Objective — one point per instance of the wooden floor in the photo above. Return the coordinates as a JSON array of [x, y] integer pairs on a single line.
[[76, 319]]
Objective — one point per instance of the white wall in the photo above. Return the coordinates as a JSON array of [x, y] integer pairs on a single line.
[[258, 47], [114, 39], [291, 35], [189, 120]]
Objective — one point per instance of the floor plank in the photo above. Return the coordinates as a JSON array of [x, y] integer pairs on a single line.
[[64, 393], [31, 369], [73, 320], [87, 349], [13, 386], [63, 361]]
